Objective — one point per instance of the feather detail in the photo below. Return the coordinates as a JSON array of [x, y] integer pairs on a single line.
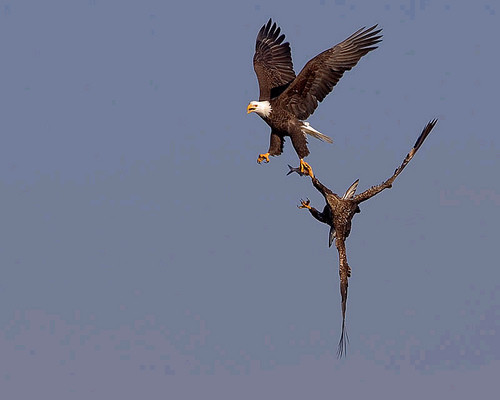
[[309, 130], [349, 194]]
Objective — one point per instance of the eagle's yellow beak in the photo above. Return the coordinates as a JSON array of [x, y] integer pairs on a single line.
[[250, 108]]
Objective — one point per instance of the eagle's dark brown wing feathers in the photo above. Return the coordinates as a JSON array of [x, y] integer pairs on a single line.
[[388, 183], [424, 134], [272, 61], [344, 273], [321, 74], [321, 188]]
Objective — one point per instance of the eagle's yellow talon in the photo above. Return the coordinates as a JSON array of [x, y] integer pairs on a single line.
[[306, 169], [305, 204], [263, 157]]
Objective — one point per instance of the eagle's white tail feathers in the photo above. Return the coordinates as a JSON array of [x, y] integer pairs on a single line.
[[309, 130]]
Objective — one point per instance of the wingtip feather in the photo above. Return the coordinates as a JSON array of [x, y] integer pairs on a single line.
[[344, 340], [425, 132]]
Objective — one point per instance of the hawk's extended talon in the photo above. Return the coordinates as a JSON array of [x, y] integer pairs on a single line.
[[305, 204], [263, 157]]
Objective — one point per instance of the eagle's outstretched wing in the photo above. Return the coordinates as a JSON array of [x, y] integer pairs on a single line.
[[272, 62], [388, 183], [322, 73], [344, 273]]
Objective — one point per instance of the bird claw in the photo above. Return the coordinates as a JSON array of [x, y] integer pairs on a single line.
[[263, 157], [306, 169], [305, 204]]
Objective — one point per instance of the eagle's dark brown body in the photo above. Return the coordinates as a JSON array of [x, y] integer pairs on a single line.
[[285, 124], [338, 214]]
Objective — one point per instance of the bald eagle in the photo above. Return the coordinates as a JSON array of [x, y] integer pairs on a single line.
[[286, 100], [338, 213]]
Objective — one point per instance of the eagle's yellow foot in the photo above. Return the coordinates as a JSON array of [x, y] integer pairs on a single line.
[[305, 204], [306, 169], [263, 157]]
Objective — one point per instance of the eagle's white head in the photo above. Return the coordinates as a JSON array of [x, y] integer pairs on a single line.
[[263, 108]]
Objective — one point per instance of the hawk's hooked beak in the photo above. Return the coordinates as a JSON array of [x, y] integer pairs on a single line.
[[251, 108]]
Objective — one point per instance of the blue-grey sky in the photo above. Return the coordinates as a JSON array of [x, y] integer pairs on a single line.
[[145, 254]]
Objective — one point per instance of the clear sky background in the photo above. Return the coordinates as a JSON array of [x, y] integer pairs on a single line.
[[145, 254]]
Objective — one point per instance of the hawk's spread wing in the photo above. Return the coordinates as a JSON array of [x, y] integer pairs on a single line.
[[272, 62], [322, 73]]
